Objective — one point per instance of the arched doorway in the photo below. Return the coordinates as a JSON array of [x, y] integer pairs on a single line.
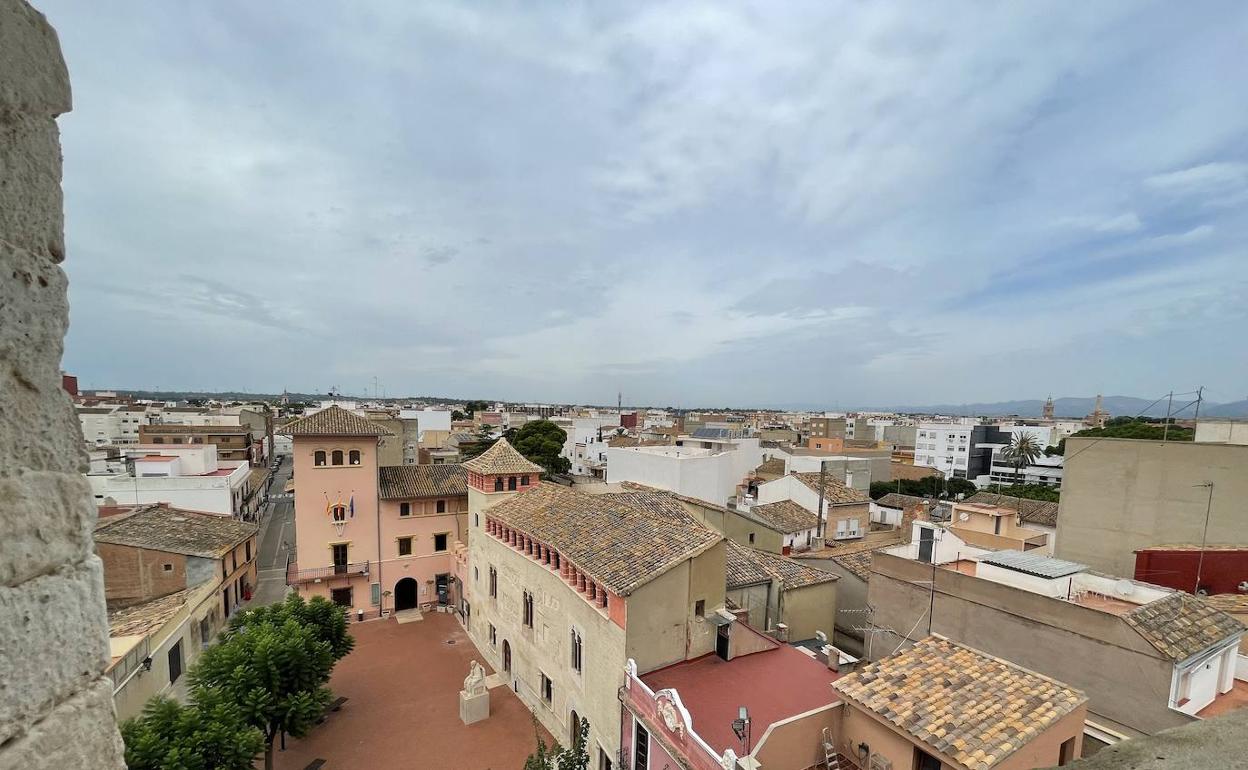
[[405, 594], [507, 656]]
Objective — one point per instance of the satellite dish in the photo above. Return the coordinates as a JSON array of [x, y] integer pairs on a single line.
[[1124, 588]]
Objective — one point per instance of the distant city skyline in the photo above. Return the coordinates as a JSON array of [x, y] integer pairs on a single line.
[[695, 204]]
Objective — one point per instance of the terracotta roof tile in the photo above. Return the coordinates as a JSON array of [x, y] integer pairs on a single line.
[[748, 566], [896, 500], [402, 481], [623, 540], [159, 527], [334, 421], [856, 557], [974, 707], [786, 516], [502, 457], [145, 617], [1180, 625], [835, 492]]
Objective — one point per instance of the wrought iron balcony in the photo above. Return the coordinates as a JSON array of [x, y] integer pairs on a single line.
[[295, 575]]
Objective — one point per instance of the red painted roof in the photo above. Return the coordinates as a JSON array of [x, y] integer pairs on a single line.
[[774, 685]]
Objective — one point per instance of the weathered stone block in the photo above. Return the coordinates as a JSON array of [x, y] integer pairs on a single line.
[[38, 427], [54, 640], [30, 186], [33, 76], [78, 733], [49, 519]]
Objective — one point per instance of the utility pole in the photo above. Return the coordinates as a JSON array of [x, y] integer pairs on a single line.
[[1199, 394], [1169, 406], [823, 480], [1204, 536]]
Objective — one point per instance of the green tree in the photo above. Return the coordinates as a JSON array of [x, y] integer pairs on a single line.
[[209, 734], [483, 439], [456, 415], [1132, 427], [1023, 449], [275, 664], [574, 757], [326, 619], [1029, 492], [472, 407], [542, 442], [928, 486]]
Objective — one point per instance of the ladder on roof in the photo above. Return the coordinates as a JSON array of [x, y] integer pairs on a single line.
[[831, 760]]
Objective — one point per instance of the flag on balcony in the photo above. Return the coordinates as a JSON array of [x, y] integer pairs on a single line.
[[351, 506]]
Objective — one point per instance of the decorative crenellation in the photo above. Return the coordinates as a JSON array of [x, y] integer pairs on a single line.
[[584, 584]]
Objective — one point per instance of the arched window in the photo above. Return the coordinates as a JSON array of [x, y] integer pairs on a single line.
[[405, 509], [338, 513], [318, 457], [354, 457], [336, 457], [498, 483]]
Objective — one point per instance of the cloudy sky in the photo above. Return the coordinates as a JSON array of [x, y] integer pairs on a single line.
[[833, 204]]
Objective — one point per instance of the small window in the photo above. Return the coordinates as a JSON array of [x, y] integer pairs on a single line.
[[751, 538], [338, 513], [175, 661], [498, 484], [699, 607], [577, 651], [493, 582], [405, 546], [405, 509], [528, 609], [197, 440], [548, 689], [493, 636], [476, 574], [158, 440], [524, 481], [511, 483], [167, 567], [336, 457], [441, 506], [476, 520], [234, 559], [318, 458], [354, 457], [439, 541], [248, 550]]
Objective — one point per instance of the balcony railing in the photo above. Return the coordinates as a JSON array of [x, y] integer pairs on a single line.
[[296, 575]]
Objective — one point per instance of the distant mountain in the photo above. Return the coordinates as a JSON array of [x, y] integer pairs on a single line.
[[1117, 406]]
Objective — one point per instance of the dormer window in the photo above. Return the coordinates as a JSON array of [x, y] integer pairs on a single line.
[[318, 458], [353, 457], [336, 457]]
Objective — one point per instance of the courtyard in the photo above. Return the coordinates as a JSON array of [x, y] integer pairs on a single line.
[[402, 685]]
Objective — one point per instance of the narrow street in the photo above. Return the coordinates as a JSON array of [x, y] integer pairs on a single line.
[[277, 539]]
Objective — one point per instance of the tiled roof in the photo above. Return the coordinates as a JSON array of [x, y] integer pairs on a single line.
[[976, 708], [400, 481], [211, 430], [740, 570], [786, 516], [334, 421], [773, 466], [834, 491], [1234, 603], [145, 617], [748, 566], [1040, 512], [162, 528], [502, 457], [1180, 625], [895, 500], [856, 557], [623, 540]]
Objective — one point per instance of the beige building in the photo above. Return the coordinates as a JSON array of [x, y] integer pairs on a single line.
[[996, 527], [941, 705], [775, 593], [566, 586], [1121, 495]]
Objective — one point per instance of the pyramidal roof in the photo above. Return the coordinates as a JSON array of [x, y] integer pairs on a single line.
[[334, 421], [502, 458]]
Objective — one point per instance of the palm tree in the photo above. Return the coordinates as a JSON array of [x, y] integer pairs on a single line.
[[1024, 449]]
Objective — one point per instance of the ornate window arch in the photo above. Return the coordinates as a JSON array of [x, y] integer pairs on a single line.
[[318, 458], [353, 457]]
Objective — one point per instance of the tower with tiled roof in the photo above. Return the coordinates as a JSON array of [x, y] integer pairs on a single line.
[[498, 473]]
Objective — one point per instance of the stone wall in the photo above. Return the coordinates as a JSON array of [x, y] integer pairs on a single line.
[[56, 707]]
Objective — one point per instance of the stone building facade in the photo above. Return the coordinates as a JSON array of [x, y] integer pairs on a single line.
[[57, 711]]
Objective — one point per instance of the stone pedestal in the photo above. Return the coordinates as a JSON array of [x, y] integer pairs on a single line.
[[475, 707]]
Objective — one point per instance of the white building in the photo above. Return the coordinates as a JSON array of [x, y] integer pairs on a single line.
[[111, 425], [846, 511], [586, 444], [943, 446], [707, 467], [186, 476]]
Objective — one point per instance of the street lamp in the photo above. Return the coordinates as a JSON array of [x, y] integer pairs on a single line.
[[741, 726]]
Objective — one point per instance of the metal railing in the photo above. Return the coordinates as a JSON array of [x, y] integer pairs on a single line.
[[296, 575]]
